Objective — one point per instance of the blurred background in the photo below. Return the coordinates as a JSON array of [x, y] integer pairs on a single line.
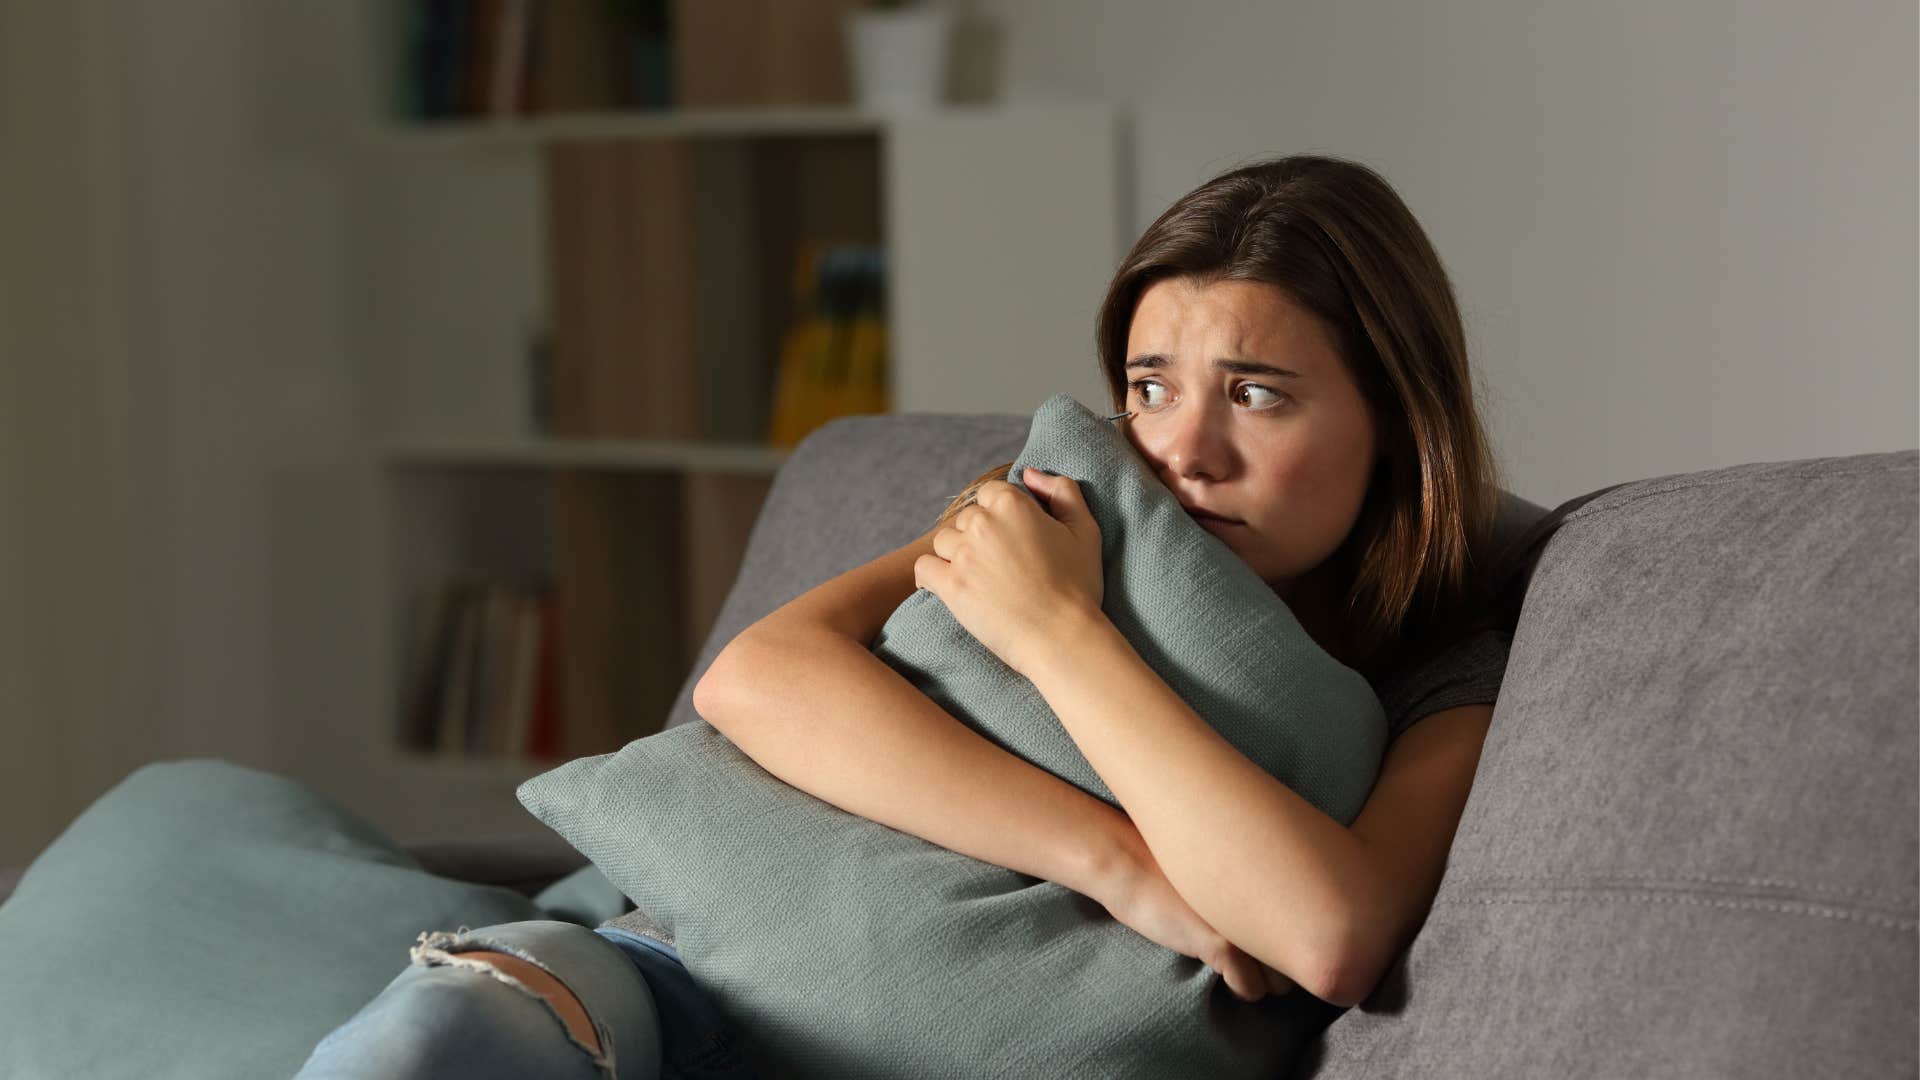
[[339, 340]]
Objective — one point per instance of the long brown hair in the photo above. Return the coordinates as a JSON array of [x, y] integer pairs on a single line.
[[1333, 233]]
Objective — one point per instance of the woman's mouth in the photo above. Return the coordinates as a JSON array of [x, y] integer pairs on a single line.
[[1212, 521]]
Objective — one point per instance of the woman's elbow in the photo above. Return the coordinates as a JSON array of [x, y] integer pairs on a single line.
[[1344, 990], [744, 666], [710, 692], [1352, 979], [703, 695]]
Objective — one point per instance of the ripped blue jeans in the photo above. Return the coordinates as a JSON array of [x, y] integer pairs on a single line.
[[442, 1017]]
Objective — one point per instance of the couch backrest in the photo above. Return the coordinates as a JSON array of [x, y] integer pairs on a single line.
[[852, 490], [1690, 845]]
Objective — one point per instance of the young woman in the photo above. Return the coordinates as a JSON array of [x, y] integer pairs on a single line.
[[1286, 344]]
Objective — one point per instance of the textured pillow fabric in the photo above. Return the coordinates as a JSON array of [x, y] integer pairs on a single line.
[[203, 920], [909, 959]]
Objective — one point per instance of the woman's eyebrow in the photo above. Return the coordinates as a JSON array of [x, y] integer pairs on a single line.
[[1236, 367]]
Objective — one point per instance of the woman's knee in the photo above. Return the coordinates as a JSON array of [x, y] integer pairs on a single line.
[[588, 983], [531, 978], [453, 1020]]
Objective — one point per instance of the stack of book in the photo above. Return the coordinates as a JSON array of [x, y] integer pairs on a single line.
[[833, 362], [484, 671], [508, 57]]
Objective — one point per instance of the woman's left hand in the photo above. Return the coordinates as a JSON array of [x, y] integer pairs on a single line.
[[1014, 572]]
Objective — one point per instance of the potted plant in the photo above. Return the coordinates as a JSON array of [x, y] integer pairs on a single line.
[[899, 50]]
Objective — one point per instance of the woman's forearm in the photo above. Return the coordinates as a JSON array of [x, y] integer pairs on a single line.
[[1262, 865], [820, 711]]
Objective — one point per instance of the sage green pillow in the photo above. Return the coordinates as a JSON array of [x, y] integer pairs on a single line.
[[837, 946], [204, 920]]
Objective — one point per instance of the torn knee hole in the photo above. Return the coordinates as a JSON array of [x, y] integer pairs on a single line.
[[504, 964]]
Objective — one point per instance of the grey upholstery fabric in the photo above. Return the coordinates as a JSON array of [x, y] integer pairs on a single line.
[[1690, 846], [851, 491], [838, 946], [205, 919]]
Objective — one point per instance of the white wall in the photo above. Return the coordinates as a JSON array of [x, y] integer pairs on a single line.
[[75, 635], [182, 484], [1683, 234]]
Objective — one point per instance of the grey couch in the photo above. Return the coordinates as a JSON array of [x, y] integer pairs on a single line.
[[1690, 849]]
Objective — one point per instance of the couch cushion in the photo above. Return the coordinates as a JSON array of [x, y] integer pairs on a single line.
[[1690, 845], [205, 920]]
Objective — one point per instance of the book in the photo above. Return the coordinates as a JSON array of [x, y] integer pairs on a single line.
[[456, 693], [522, 683], [489, 732], [543, 742], [477, 56], [435, 620], [507, 90]]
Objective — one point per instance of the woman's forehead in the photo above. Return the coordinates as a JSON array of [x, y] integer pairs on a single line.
[[1247, 320]]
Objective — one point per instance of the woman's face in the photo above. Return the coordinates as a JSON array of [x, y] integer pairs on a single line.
[[1287, 456]]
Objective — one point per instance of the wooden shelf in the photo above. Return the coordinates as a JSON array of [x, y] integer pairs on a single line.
[[735, 458]]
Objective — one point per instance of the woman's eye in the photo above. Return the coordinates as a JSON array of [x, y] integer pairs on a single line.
[[1141, 386], [1274, 394]]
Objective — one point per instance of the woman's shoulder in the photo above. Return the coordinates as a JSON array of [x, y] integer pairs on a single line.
[[1461, 657], [1464, 669]]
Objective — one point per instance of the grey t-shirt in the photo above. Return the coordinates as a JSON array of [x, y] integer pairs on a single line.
[[1467, 672]]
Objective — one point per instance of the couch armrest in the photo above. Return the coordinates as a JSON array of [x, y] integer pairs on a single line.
[[523, 862]]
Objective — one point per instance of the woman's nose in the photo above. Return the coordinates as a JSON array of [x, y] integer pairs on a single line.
[[1191, 445]]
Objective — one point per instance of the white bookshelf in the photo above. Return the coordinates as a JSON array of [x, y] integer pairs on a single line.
[[1000, 227]]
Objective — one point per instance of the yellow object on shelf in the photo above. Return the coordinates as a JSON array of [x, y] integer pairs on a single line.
[[795, 396], [833, 360], [865, 390]]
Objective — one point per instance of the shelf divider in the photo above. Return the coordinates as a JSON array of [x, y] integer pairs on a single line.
[[720, 512], [618, 554], [621, 251]]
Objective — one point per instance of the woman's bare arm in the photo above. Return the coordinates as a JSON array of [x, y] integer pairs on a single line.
[[802, 694], [1262, 865], [1327, 905]]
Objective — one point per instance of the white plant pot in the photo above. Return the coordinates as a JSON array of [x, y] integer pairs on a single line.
[[899, 57]]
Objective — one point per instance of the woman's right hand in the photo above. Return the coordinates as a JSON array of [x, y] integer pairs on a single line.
[[1138, 894]]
